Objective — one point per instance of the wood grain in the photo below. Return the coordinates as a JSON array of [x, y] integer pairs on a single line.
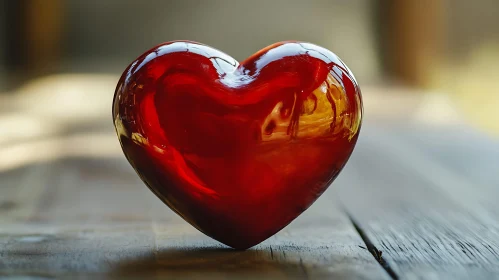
[[95, 217], [414, 193]]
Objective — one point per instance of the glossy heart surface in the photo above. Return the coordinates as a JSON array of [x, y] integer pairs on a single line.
[[238, 150]]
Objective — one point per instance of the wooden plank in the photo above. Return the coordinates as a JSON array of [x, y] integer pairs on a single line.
[[417, 195], [97, 218], [21, 190]]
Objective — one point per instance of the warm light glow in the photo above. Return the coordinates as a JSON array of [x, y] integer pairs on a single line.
[[55, 117], [18, 127], [43, 150], [69, 97]]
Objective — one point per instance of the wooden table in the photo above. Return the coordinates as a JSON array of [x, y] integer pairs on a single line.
[[415, 201]]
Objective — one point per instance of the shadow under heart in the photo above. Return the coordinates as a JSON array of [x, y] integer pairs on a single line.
[[212, 262]]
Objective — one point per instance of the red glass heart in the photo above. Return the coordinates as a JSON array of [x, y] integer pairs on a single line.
[[238, 150]]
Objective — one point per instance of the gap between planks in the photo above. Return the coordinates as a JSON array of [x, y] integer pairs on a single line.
[[377, 254]]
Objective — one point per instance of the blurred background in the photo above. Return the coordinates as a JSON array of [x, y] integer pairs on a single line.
[[432, 62]]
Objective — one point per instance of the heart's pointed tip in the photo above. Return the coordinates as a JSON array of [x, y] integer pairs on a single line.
[[244, 248], [241, 249], [241, 246]]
